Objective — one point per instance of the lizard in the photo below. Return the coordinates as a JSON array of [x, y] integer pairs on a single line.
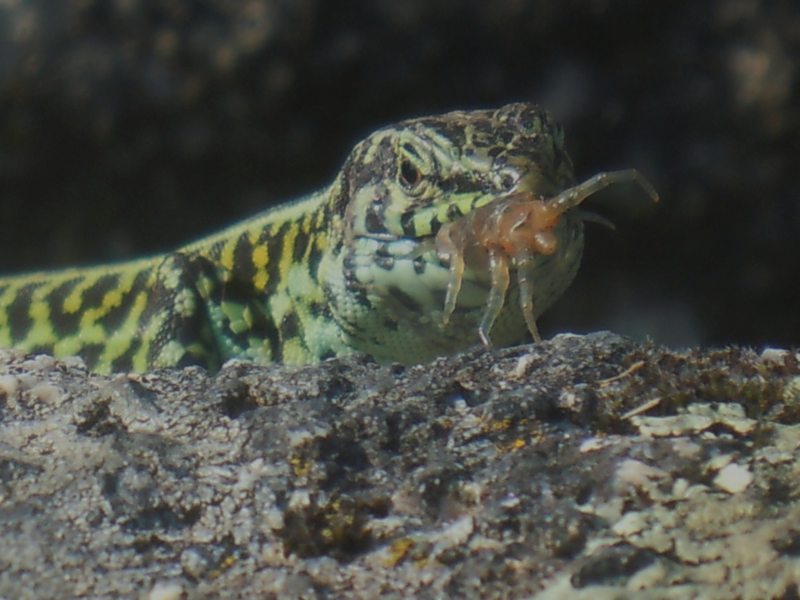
[[339, 271]]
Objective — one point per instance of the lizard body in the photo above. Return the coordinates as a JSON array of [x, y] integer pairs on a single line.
[[337, 272]]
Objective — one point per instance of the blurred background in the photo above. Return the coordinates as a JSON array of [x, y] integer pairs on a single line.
[[128, 127]]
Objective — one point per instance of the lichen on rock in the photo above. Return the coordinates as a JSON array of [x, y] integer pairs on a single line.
[[584, 466]]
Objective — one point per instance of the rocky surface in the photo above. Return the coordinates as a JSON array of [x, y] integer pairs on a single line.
[[131, 126], [582, 467]]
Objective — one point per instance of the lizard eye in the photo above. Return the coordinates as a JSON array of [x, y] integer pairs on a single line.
[[409, 174]]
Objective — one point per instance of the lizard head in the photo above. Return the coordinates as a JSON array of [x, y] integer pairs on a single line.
[[384, 283], [406, 180]]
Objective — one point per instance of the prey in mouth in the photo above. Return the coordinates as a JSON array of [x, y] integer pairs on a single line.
[[457, 229]]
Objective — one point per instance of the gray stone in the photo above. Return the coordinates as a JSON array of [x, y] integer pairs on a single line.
[[582, 467]]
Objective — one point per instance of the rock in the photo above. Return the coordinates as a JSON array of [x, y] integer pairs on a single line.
[[532, 471]]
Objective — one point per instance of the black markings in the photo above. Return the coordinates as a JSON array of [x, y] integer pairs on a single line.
[[452, 212], [405, 300], [243, 266], [382, 159], [301, 241], [239, 290], [506, 136], [318, 309], [338, 245], [90, 353], [460, 183], [124, 362], [347, 267], [190, 359], [275, 251], [264, 236], [19, 321], [290, 327], [314, 258], [329, 353], [484, 126], [452, 130], [339, 202], [272, 336], [501, 160], [168, 299], [64, 324], [435, 224], [373, 221], [407, 222], [383, 258], [419, 265], [385, 262], [115, 317], [353, 285], [261, 326], [92, 297], [410, 149]]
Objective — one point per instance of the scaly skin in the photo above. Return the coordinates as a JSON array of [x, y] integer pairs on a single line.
[[328, 275]]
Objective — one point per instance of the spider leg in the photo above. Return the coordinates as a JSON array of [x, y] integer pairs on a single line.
[[525, 275], [448, 247], [498, 266], [572, 197]]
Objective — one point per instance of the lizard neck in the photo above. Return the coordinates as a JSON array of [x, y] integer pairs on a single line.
[[260, 282]]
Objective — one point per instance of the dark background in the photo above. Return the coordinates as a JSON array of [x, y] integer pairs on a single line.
[[129, 127]]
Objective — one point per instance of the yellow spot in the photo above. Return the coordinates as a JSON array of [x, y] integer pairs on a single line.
[[260, 280], [72, 303], [233, 311], [69, 346], [138, 305], [226, 258], [258, 350], [139, 362], [293, 352], [112, 299], [260, 256], [286, 260], [172, 352], [260, 261], [116, 346], [247, 317], [205, 287], [41, 334], [39, 311], [319, 220], [93, 334]]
